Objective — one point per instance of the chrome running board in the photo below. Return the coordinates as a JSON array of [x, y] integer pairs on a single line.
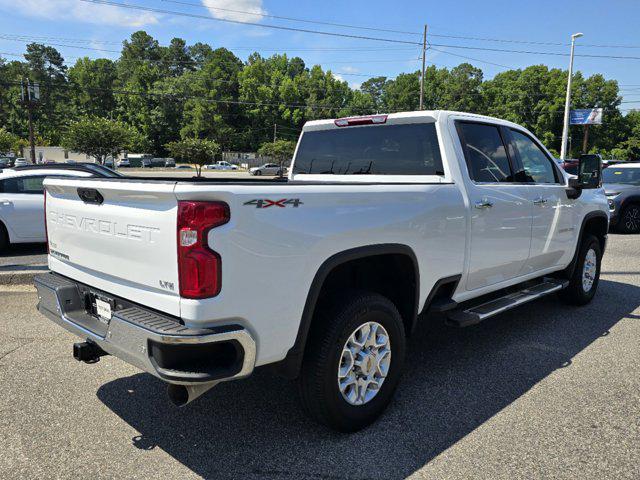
[[463, 317]]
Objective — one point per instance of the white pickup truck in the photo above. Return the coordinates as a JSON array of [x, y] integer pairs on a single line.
[[323, 275]]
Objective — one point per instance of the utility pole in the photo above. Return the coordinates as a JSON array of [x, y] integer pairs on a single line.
[[567, 103], [424, 53], [29, 95], [275, 132], [585, 139]]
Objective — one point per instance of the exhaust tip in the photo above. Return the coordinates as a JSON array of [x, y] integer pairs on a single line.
[[178, 394]]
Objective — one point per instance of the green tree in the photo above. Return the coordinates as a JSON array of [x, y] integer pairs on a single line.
[[402, 93], [45, 66], [92, 83], [8, 142], [194, 150], [375, 88], [98, 137], [279, 151]]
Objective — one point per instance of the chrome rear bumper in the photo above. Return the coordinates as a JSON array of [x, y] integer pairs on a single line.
[[155, 343]]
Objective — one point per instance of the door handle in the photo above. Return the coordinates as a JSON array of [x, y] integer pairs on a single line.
[[539, 201], [484, 203]]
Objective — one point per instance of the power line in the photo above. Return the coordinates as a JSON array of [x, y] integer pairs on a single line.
[[181, 96], [208, 6], [532, 42], [462, 37], [46, 39], [254, 24], [471, 58], [526, 52]]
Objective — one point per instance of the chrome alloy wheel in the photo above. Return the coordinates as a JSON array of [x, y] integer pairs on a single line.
[[589, 270], [364, 363]]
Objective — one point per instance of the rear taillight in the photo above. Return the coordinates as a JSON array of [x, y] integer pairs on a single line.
[[354, 121], [46, 232], [199, 267]]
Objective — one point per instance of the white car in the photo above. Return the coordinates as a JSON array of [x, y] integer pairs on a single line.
[[21, 199], [221, 166], [21, 162], [266, 169], [382, 221]]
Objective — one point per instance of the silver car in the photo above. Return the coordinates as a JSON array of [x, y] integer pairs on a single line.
[[266, 169]]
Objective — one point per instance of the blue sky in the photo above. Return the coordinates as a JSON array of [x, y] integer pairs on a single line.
[[96, 30]]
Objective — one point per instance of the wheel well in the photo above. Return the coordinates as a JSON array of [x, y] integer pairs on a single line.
[[391, 275], [598, 227], [388, 269]]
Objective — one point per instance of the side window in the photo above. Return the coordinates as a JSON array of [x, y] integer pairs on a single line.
[[485, 153], [537, 165], [29, 185]]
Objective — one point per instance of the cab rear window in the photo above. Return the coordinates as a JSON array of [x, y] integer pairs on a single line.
[[410, 149]]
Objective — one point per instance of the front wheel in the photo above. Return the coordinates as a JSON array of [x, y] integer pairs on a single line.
[[353, 361], [258, 173], [584, 281]]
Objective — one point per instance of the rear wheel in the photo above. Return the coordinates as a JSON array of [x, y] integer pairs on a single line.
[[584, 281], [630, 219], [353, 362]]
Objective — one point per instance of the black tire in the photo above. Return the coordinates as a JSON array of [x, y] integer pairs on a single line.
[[4, 237], [258, 173], [575, 293], [318, 382], [630, 219]]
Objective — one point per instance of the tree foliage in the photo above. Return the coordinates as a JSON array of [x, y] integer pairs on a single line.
[[195, 150], [98, 137], [9, 142], [279, 150], [165, 94]]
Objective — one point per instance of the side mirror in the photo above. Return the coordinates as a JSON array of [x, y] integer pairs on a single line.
[[590, 171], [589, 175]]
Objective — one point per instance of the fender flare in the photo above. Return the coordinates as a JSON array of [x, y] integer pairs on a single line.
[[290, 366], [568, 272]]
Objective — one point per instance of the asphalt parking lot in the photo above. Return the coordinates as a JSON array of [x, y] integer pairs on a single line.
[[544, 391]]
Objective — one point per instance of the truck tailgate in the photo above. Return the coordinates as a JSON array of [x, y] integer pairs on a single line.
[[136, 220]]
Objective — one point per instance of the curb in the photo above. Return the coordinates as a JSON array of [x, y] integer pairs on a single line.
[[19, 277]]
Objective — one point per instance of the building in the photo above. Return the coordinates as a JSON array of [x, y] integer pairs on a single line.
[[56, 154]]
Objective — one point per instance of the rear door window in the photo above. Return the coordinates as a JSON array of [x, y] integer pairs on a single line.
[[29, 185], [485, 153], [409, 149]]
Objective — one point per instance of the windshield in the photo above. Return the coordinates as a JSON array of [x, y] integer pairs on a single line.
[[409, 149], [621, 175]]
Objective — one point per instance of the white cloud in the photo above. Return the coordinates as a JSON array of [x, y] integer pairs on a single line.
[[234, 9], [350, 69], [80, 11]]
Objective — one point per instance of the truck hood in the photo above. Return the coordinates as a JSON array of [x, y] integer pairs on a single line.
[[615, 188]]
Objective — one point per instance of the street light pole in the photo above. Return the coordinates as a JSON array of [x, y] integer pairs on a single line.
[[567, 103]]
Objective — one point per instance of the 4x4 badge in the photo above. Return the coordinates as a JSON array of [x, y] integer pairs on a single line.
[[282, 203]]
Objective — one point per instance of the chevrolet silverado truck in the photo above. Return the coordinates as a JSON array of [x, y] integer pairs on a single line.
[[382, 222]]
